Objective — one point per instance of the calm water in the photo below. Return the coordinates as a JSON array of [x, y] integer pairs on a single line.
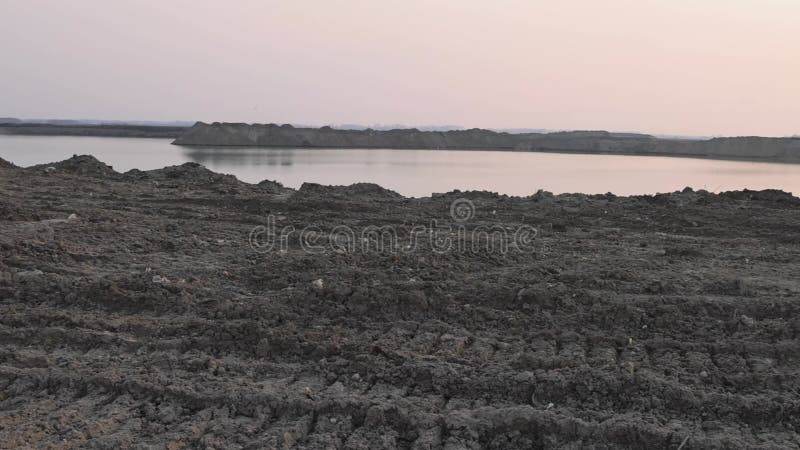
[[420, 172]]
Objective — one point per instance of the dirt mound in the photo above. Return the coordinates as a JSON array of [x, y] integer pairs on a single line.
[[187, 174], [359, 190], [84, 165], [6, 165], [767, 195], [471, 195], [273, 187], [370, 190]]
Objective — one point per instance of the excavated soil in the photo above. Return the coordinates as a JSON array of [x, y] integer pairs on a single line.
[[134, 313]]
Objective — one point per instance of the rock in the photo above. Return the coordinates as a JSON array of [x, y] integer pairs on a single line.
[[318, 284], [160, 279], [288, 440], [337, 387], [72, 216]]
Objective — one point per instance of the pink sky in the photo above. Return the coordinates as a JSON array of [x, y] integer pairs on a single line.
[[710, 67]]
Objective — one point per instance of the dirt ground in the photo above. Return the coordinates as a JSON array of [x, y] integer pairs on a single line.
[[148, 319]]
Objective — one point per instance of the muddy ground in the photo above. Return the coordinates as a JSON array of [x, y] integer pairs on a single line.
[[147, 318]]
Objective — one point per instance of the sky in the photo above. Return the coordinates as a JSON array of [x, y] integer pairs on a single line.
[[699, 67]]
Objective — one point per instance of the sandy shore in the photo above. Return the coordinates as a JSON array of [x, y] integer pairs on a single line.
[[155, 308]]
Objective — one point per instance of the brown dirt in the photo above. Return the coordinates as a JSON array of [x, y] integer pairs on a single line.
[[634, 322]]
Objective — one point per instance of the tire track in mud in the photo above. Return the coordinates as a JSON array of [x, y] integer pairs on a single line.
[[616, 336]]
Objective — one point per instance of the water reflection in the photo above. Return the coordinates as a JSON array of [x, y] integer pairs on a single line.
[[420, 172], [239, 156]]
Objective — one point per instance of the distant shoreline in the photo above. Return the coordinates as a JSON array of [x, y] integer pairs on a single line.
[[510, 150], [752, 149], [111, 130]]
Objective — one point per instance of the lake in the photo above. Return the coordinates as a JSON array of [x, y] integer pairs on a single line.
[[420, 172]]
